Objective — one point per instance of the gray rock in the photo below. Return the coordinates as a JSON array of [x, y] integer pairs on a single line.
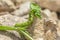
[[50, 4], [6, 5], [10, 20], [23, 9]]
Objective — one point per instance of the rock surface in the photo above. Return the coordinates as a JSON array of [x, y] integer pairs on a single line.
[[7, 5], [50, 4], [37, 29], [53, 5]]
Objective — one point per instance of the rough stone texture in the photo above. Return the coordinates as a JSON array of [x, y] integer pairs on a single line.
[[5, 35], [23, 9], [50, 31], [37, 29], [58, 30], [7, 5], [10, 20], [48, 14], [39, 32], [50, 4], [13, 4]]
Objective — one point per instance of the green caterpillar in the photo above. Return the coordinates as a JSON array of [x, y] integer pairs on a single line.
[[34, 11], [21, 27]]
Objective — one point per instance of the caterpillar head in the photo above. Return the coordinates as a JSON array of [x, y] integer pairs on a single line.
[[35, 9]]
